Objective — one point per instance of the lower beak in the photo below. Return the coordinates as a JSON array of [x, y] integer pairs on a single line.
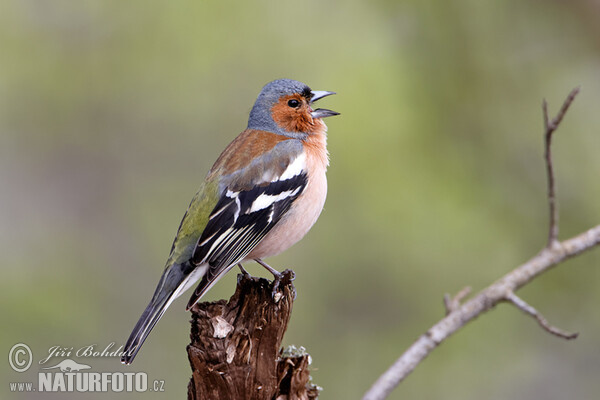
[[321, 112]]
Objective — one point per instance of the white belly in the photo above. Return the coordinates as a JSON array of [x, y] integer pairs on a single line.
[[297, 221]]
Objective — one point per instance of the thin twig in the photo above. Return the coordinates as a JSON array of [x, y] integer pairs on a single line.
[[501, 290], [452, 303], [549, 128], [527, 309]]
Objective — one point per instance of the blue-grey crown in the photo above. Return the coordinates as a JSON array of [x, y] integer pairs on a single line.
[[260, 116]]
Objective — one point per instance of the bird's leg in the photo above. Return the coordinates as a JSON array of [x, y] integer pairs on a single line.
[[272, 270], [244, 272], [276, 274]]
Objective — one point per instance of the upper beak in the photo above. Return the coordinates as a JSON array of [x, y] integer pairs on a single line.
[[321, 112]]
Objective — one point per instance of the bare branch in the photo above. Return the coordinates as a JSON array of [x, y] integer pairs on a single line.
[[549, 128], [527, 309], [501, 290], [482, 302]]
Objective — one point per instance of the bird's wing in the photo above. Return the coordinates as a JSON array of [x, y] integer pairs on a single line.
[[253, 200]]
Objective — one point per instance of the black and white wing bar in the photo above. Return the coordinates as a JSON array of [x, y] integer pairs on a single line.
[[238, 223]]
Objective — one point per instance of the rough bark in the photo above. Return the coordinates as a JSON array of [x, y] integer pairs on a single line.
[[235, 350]]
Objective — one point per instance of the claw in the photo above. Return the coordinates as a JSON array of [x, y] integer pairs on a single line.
[[286, 277], [278, 277], [276, 293]]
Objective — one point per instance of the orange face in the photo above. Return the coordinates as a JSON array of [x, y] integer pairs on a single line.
[[292, 114]]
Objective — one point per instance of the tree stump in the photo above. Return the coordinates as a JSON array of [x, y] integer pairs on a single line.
[[235, 350]]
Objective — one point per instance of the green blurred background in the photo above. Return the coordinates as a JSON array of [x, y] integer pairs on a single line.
[[111, 113]]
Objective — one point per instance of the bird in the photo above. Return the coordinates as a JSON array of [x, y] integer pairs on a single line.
[[262, 195]]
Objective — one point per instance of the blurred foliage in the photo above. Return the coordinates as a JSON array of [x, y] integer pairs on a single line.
[[112, 112]]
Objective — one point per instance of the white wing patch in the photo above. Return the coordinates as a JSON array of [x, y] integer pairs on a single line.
[[235, 196], [265, 200], [295, 168]]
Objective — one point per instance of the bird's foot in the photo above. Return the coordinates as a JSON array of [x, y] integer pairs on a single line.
[[284, 277], [276, 294]]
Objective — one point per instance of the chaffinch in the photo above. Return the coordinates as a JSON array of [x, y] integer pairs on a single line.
[[262, 195]]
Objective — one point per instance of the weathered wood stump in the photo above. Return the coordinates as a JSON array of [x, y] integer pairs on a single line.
[[235, 350]]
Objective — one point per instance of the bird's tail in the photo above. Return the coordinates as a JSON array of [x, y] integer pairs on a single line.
[[176, 279]]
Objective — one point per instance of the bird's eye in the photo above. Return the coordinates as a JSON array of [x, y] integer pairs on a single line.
[[293, 103]]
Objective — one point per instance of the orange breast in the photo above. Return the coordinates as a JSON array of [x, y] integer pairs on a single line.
[[306, 209]]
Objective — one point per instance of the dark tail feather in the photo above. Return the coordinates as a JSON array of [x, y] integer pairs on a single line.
[[202, 288], [208, 281], [172, 283]]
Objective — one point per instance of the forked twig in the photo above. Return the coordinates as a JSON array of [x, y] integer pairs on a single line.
[[549, 128], [458, 315], [452, 303]]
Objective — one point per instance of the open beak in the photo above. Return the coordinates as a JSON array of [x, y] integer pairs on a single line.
[[321, 112]]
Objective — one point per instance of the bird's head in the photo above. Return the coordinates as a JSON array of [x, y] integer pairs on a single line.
[[284, 106]]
